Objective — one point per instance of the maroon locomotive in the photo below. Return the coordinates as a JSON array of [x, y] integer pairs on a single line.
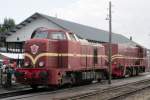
[[127, 60], [58, 57]]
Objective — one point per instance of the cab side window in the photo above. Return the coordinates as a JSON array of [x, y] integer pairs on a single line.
[[72, 37]]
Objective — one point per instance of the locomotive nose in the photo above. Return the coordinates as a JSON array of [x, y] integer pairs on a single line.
[[35, 46]]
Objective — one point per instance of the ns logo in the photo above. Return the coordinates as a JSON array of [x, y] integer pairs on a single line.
[[34, 49]]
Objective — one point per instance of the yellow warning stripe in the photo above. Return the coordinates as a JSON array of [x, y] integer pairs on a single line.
[[39, 56], [34, 60], [58, 54], [124, 57], [30, 57]]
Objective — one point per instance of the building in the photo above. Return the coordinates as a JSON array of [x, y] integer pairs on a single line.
[[23, 31]]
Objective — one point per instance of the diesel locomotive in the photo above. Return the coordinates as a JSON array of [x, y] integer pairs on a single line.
[[58, 57]]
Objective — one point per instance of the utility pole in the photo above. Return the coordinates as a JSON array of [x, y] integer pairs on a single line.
[[110, 47]]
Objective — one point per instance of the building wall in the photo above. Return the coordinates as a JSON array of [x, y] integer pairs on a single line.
[[25, 32]]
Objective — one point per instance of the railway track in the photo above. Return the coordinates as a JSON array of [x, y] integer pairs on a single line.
[[111, 93], [88, 92], [41, 91], [22, 92], [15, 93]]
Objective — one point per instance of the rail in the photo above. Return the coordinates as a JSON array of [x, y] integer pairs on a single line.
[[111, 93], [85, 91]]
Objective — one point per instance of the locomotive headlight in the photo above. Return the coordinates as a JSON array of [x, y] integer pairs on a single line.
[[41, 64], [26, 64]]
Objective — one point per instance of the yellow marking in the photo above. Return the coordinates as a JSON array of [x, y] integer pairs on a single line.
[[29, 56], [40, 55], [78, 55], [102, 56], [117, 55], [67, 54], [45, 54], [34, 60], [124, 57]]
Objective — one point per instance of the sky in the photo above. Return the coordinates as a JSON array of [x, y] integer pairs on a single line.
[[129, 17]]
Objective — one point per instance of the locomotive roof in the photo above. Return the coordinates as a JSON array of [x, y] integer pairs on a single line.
[[83, 31]]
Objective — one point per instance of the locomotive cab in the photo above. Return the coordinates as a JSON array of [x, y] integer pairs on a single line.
[[53, 35]]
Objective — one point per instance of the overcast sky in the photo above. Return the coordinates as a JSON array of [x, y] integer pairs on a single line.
[[129, 17]]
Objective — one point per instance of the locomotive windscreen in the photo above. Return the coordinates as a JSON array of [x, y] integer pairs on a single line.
[[43, 34], [50, 35]]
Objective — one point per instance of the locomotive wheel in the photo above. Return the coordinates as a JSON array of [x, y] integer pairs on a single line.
[[34, 87]]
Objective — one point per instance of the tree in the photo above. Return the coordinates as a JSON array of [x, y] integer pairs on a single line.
[[7, 25]]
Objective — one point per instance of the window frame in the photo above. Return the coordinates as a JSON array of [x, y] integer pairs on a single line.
[[63, 33]]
